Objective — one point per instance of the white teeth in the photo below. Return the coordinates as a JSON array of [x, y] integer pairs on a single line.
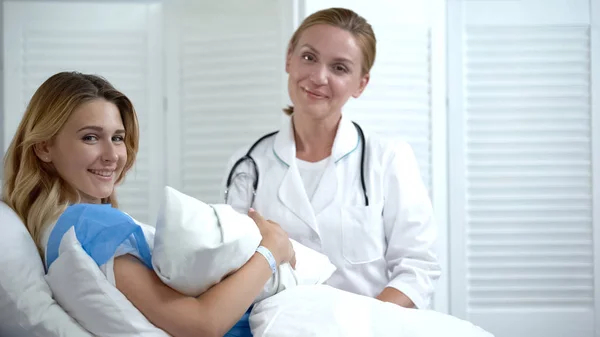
[[102, 173]]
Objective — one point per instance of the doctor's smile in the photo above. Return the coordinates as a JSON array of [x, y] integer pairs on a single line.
[[314, 94]]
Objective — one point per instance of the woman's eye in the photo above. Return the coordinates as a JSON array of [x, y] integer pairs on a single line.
[[90, 138], [118, 139]]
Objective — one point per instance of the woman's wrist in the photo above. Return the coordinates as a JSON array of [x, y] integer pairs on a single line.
[[268, 256]]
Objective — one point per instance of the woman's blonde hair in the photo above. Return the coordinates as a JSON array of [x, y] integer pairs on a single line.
[[33, 188], [347, 20]]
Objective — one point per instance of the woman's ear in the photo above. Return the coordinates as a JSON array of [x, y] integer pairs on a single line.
[[42, 151], [362, 85]]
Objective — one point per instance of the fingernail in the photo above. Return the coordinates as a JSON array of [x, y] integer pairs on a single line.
[[252, 209]]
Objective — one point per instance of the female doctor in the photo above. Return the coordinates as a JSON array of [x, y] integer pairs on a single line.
[[352, 196]]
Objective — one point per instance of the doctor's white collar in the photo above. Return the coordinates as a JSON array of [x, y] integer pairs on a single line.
[[346, 141]]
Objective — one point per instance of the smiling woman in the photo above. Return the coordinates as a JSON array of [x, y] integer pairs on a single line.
[[324, 71], [344, 43], [89, 151], [85, 108]]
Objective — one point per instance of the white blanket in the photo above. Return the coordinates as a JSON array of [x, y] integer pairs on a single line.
[[325, 311]]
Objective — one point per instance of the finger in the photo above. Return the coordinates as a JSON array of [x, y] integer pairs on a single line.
[[293, 262], [293, 259], [255, 216]]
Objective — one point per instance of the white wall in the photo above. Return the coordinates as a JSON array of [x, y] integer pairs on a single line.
[[225, 85]]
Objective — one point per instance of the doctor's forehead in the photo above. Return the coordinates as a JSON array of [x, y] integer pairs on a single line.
[[330, 41]]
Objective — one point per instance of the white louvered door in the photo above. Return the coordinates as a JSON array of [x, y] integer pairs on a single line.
[[521, 166], [224, 83], [405, 98], [41, 39]]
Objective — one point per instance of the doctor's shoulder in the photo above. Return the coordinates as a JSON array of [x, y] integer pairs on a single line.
[[263, 149], [260, 149], [237, 154], [390, 151]]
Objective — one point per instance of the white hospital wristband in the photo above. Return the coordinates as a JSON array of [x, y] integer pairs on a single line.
[[264, 251]]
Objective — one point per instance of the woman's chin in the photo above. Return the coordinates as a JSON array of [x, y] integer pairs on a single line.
[[94, 197]]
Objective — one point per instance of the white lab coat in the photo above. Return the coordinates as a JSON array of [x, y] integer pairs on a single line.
[[387, 244]]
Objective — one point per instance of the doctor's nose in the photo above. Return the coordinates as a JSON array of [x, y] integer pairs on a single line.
[[319, 75]]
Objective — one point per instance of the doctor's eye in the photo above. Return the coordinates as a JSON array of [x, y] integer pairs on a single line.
[[340, 68], [308, 57]]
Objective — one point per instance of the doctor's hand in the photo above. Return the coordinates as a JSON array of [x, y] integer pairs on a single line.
[[275, 239]]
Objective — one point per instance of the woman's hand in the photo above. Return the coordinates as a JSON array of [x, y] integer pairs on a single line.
[[275, 239]]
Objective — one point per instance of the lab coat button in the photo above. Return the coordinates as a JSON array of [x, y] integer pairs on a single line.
[[314, 238]]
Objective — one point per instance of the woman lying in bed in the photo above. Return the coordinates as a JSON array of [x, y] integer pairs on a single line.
[[75, 143]]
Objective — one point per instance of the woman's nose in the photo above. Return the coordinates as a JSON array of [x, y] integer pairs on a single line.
[[110, 153]]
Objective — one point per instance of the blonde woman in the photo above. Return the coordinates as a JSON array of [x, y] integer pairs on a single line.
[[348, 194], [76, 141]]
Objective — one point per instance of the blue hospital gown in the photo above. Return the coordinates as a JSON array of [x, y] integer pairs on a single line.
[[106, 232]]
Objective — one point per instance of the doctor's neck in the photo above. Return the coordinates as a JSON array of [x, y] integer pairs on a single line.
[[314, 137]]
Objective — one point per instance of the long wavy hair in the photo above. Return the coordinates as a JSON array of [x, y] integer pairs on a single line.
[[33, 188], [347, 20]]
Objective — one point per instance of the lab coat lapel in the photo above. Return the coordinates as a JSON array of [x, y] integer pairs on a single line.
[[291, 191], [293, 196], [345, 142]]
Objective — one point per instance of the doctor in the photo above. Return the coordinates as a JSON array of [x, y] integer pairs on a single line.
[[353, 196]]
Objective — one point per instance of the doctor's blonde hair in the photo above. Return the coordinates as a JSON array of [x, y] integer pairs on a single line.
[[33, 188], [347, 20]]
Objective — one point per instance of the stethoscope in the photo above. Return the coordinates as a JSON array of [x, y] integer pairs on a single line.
[[248, 157]]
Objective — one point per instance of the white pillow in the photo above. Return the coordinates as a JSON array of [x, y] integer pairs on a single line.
[[87, 295], [322, 310], [197, 245], [26, 304]]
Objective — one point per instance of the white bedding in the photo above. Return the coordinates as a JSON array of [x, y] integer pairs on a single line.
[[314, 311], [80, 275]]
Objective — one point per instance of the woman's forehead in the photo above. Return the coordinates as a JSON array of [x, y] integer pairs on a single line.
[[97, 112]]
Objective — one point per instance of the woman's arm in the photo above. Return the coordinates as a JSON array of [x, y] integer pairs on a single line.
[[215, 311], [211, 314]]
